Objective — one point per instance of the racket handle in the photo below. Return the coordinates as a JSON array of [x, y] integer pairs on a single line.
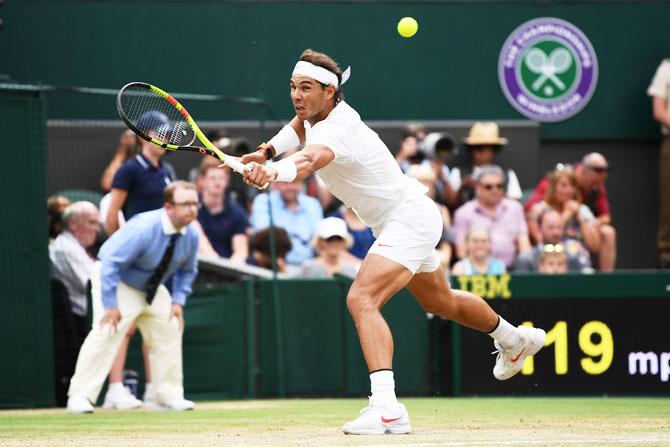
[[241, 168], [236, 165]]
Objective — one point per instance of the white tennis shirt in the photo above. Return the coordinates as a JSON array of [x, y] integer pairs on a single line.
[[364, 175]]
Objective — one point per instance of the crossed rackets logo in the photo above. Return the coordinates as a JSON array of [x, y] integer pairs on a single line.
[[548, 67]]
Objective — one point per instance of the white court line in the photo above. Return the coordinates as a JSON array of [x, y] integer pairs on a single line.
[[636, 441]]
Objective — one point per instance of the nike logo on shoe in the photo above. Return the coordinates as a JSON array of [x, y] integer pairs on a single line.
[[388, 421], [518, 356]]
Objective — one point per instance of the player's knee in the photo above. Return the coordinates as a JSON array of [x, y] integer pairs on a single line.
[[359, 304]]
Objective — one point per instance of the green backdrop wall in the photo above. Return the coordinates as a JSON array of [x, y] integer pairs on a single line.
[[447, 71]]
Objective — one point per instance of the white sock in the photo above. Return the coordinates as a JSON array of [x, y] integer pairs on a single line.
[[115, 387], [505, 334], [148, 388], [382, 386]]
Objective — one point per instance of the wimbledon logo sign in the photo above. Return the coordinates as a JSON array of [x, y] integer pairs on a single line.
[[548, 69]]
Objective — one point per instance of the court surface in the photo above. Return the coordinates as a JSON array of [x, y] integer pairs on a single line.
[[316, 422]]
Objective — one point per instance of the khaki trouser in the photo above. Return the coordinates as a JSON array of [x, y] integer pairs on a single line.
[[663, 243], [159, 331]]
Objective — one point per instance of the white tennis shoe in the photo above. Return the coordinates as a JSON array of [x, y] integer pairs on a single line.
[[121, 399], [510, 361], [79, 405], [378, 420]]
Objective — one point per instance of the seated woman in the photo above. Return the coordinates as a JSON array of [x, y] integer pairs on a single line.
[[478, 260], [331, 242], [563, 196]]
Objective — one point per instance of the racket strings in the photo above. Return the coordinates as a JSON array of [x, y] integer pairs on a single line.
[[155, 117]]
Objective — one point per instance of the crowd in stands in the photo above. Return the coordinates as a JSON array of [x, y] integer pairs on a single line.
[[489, 227]]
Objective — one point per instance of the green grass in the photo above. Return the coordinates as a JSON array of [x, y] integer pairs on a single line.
[[436, 421]]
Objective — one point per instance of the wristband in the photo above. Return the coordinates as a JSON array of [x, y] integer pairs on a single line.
[[286, 170], [285, 140]]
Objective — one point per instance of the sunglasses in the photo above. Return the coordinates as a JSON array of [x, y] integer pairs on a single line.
[[490, 186], [599, 169], [553, 248], [334, 238]]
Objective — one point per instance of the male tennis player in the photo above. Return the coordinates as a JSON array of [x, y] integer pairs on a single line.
[[357, 167]]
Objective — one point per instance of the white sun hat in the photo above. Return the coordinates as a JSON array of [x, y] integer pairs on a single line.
[[332, 226]]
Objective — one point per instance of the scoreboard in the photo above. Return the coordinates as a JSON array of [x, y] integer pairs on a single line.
[[593, 346]]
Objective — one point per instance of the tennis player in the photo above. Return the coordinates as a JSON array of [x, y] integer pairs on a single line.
[[358, 168]]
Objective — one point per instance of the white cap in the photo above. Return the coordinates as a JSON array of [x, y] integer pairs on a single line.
[[332, 226]]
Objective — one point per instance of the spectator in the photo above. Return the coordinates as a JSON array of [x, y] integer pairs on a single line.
[[591, 174], [361, 233], [55, 207], [138, 185], [331, 242], [552, 231], [408, 152], [292, 210], [483, 143], [128, 147], [426, 175], [502, 216], [478, 260], [128, 279], [660, 101], [553, 260], [261, 250], [70, 261], [222, 222], [563, 196]]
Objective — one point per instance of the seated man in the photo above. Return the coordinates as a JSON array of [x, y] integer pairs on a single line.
[[552, 231], [591, 174], [501, 216], [222, 223], [126, 288], [292, 210]]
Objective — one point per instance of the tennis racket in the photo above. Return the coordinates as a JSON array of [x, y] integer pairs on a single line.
[[159, 118]]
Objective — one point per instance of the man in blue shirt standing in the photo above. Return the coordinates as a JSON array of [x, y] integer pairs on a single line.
[[127, 288]]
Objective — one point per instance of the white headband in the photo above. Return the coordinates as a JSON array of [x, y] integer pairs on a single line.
[[320, 74]]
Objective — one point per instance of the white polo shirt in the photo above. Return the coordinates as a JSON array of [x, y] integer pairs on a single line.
[[364, 175]]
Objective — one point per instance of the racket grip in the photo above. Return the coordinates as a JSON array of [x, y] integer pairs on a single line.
[[236, 165]]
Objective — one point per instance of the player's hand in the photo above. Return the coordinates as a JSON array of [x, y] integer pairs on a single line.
[[177, 313], [111, 319], [260, 156], [259, 175]]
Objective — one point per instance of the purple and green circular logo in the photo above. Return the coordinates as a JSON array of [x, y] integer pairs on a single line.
[[548, 69]]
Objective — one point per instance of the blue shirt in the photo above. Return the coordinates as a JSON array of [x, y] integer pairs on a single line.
[[300, 223], [133, 252], [144, 183], [220, 228]]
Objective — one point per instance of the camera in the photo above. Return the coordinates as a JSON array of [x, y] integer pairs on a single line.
[[440, 145]]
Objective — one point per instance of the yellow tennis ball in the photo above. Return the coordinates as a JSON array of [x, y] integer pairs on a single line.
[[407, 27]]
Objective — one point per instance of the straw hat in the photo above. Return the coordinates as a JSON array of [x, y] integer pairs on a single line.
[[332, 226], [482, 134]]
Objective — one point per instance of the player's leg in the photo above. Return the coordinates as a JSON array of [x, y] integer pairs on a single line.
[[377, 281], [163, 336], [514, 343]]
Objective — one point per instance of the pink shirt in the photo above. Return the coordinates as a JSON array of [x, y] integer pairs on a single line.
[[505, 227]]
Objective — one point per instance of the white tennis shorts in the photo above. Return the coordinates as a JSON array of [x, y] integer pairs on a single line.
[[410, 234]]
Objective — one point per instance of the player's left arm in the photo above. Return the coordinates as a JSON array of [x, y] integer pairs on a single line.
[[298, 166]]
